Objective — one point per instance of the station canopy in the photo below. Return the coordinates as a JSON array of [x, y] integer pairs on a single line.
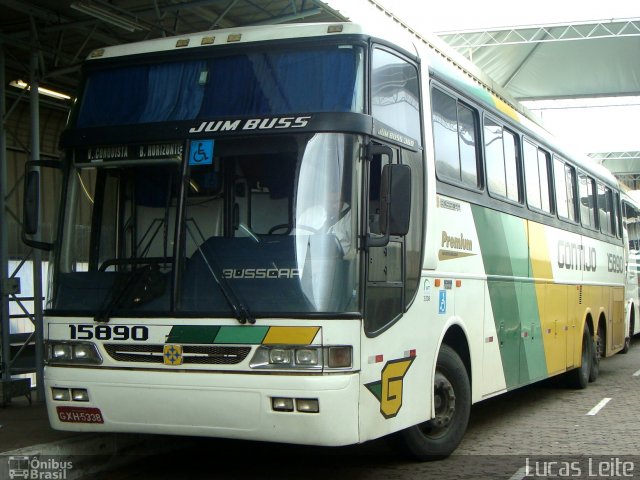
[[570, 61], [575, 64]]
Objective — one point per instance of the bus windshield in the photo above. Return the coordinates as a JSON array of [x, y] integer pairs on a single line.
[[317, 79], [258, 226]]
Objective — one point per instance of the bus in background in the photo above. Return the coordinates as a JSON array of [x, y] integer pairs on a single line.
[[456, 252], [631, 228]]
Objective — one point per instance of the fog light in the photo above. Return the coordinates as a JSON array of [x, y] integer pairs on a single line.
[[307, 405], [79, 395], [339, 357], [306, 356], [60, 394], [282, 404], [280, 356]]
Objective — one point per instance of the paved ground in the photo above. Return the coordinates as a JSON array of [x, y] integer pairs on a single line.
[[545, 427]]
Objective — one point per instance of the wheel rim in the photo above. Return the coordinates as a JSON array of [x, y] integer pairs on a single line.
[[599, 348], [444, 398]]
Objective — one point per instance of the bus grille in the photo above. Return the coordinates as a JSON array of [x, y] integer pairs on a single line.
[[194, 354]]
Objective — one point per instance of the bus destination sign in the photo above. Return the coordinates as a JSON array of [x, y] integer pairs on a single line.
[[133, 152]]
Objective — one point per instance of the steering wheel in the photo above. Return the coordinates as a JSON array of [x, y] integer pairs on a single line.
[[280, 226], [307, 228]]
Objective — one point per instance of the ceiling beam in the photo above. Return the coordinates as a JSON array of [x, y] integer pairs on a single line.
[[466, 39]]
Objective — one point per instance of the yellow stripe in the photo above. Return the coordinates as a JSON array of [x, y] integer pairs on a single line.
[[551, 299], [290, 335], [506, 109], [540, 262]]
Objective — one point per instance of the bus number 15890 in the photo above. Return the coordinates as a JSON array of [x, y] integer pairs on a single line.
[[138, 333]]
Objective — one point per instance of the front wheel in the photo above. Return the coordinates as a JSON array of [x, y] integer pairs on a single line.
[[439, 437]]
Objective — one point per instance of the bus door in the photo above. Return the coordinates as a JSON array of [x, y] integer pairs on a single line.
[[390, 348], [384, 264]]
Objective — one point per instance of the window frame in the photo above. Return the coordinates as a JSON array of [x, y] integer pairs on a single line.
[[517, 159], [377, 47], [590, 180], [551, 193], [571, 169], [480, 167]]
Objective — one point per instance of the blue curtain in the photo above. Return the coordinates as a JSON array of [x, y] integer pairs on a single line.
[[319, 80]]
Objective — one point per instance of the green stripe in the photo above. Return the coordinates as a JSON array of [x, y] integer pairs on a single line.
[[242, 334], [208, 334], [505, 253], [193, 334]]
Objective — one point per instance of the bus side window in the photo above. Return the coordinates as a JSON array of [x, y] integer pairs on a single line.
[[501, 147], [565, 178], [587, 201], [455, 140]]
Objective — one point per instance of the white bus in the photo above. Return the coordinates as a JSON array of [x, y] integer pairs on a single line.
[[315, 234], [631, 231]]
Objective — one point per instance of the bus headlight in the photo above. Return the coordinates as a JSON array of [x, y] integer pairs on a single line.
[[306, 356], [73, 353], [302, 357], [280, 356]]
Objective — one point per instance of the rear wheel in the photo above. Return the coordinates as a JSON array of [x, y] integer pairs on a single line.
[[627, 340], [439, 437], [627, 344], [598, 351], [579, 377]]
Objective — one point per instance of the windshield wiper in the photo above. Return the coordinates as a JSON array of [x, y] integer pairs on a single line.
[[241, 311], [140, 286]]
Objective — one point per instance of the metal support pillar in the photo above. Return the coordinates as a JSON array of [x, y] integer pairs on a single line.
[[34, 99], [5, 347]]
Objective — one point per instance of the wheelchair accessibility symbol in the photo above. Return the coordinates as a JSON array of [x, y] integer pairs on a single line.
[[201, 152], [442, 301]]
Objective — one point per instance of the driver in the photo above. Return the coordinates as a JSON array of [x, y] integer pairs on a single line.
[[331, 216]]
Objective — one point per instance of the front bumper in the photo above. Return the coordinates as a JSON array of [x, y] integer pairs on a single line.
[[215, 404]]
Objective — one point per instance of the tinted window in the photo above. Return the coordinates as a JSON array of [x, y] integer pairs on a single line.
[[467, 142], [536, 165], [511, 164], [605, 210], [501, 156], [394, 93], [532, 175], [565, 190], [323, 79], [494, 155], [587, 201], [454, 131]]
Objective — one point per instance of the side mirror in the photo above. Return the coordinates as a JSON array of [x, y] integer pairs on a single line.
[[395, 199], [31, 214]]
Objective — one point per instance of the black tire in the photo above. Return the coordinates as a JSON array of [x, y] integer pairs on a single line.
[[627, 340], [598, 351], [579, 377], [627, 344], [439, 437]]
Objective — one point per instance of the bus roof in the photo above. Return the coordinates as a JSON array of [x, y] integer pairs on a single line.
[[227, 36], [435, 55]]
